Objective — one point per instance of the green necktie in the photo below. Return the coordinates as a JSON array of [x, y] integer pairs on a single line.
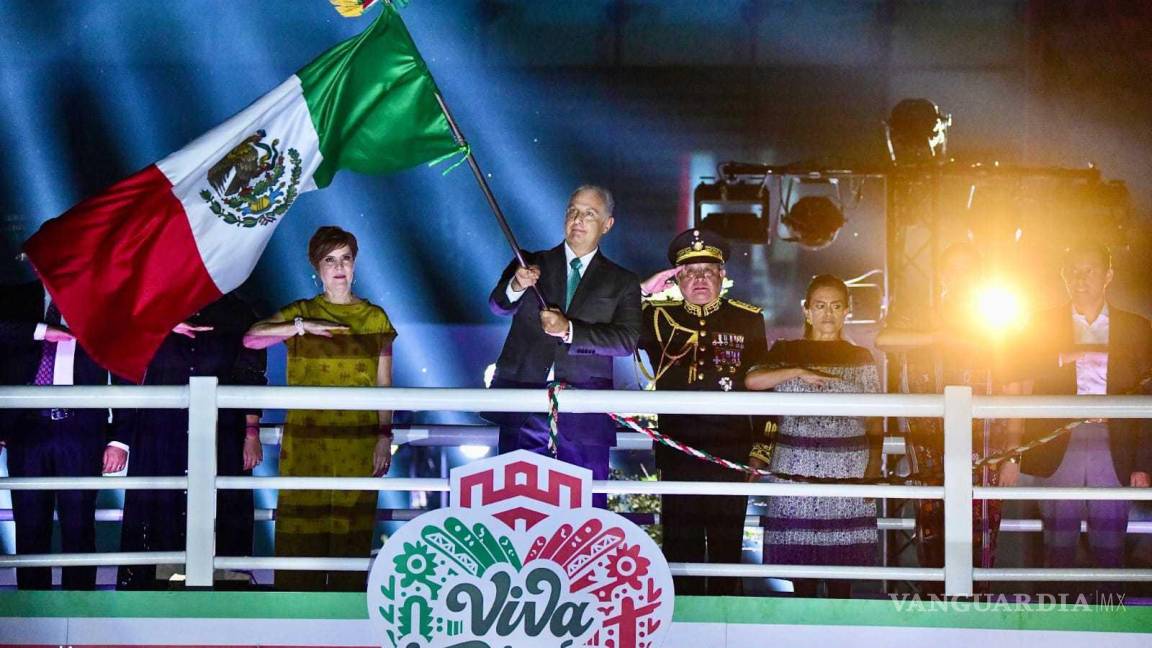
[[573, 281]]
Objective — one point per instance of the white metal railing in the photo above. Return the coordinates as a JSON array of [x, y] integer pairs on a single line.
[[902, 524], [957, 406]]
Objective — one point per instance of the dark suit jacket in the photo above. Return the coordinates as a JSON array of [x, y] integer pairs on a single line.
[[605, 315], [160, 436], [155, 520], [1129, 360], [21, 309]]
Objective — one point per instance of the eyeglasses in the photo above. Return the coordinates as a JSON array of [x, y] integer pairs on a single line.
[[708, 274], [587, 216]]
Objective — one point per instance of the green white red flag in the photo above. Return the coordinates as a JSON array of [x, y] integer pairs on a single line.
[[127, 265]]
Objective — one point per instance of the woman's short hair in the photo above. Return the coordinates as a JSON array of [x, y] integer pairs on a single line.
[[328, 238]]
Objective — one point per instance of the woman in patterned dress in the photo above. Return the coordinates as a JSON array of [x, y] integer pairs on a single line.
[[820, 530], [334, 339]]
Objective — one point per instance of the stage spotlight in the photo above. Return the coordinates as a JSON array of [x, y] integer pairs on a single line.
[[812, 221], [917, 132], [999, 308], [737, 210]]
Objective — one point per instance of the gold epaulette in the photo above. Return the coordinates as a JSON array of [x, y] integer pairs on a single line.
[[663, 302], [746, 306]]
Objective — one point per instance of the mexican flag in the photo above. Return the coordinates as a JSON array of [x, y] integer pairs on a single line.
[[127, 265]]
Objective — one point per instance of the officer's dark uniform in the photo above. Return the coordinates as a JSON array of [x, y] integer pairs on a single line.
[[703, 348]]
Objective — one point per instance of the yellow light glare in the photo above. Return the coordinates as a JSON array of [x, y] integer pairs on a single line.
[[999, 308]]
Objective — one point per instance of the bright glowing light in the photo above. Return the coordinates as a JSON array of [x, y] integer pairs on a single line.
[[475, 451], [999, 308]]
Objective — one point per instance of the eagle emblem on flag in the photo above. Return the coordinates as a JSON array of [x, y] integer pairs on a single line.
[[247, 185]]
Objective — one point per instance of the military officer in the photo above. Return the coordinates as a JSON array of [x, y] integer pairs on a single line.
[[703, 342]]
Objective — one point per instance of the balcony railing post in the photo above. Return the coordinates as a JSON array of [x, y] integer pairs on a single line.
[[958, 491], [202, 415]]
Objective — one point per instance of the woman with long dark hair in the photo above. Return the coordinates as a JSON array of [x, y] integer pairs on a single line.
[[820, 530]]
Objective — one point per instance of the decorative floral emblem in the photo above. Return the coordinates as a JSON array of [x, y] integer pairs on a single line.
[[521, 560], [248, 187]]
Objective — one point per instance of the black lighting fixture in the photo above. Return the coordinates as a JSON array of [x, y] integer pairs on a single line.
[[814, 217], [917, 132], [735, 207]]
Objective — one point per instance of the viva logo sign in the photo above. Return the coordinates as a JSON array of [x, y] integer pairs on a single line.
[[521, 560]]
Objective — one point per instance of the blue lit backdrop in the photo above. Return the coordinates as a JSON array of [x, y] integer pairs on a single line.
[[643, 96]]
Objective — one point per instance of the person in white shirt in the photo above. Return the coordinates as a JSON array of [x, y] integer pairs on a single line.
[[1088, 346]]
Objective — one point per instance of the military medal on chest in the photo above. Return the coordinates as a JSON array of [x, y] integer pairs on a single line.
[[726, 352]]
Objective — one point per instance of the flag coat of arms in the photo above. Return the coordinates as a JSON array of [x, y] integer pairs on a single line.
[[127, 265]]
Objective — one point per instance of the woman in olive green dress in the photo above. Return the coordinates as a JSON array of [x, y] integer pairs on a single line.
[[334, 339]]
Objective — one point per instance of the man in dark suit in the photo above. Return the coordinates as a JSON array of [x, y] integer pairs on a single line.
[[210, 343], [1089, 346], [52, 442], [593, 316]]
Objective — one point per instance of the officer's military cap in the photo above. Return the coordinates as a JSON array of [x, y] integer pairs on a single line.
[[697, 246]]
